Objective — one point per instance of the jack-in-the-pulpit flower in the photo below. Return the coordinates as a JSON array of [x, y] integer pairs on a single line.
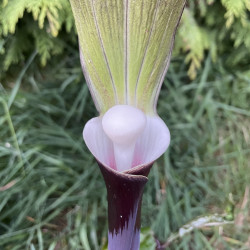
[[125, 50]]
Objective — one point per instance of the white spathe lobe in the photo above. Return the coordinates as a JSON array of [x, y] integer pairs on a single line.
[[150, 144]]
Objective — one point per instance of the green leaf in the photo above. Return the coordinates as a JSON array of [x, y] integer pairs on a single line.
[[147, 240], [84, 237]]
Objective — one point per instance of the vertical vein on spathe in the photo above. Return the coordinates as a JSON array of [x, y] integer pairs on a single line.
[[126, 48], [158, 88], [161, 48], [88, 81], [147, 46], [103, 49], [87, 76]]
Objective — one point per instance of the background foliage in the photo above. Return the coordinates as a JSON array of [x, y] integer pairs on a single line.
[[43, 25], [52, 195]]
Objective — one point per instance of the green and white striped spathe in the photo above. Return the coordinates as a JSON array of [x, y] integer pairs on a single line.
[[125, 48]]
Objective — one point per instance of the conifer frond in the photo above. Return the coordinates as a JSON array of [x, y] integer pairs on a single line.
[[46, 46], [195, 41], [235, 9], [46, 9], [15, 50], [49, 18], [10, 15]]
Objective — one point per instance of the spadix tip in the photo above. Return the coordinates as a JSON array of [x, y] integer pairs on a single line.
[[123, 123]]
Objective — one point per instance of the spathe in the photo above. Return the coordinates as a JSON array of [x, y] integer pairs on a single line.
[[125, 189], [153, 142], [124, 205], [125, 50]]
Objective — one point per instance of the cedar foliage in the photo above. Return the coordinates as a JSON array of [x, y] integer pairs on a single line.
[[28, 25], [220, 27]]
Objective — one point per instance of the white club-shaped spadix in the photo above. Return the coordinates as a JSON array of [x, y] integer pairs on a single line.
[[123, 124]]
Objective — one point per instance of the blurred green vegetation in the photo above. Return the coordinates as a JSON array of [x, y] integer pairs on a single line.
[[52, 195]]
